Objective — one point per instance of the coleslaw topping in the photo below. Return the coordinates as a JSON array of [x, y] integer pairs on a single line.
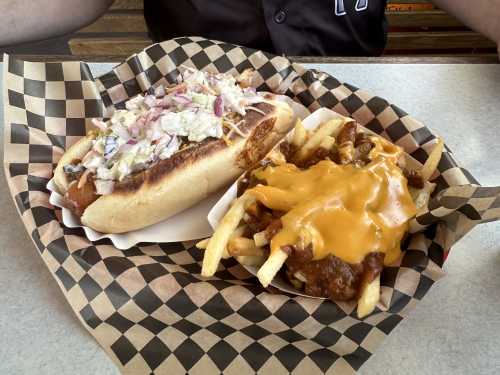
[[155, 126]]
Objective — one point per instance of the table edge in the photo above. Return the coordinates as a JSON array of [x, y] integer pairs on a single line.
[[457, 59]]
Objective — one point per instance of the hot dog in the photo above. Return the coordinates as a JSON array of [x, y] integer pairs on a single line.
[[169, 150]]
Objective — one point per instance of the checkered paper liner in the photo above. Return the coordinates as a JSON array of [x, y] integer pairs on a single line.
[[148, 306]]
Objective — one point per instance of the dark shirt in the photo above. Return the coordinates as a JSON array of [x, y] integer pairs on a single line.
[[293, 27]]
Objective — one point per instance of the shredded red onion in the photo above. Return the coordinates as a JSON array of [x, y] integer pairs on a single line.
[[181, 89], [134, 131], [182, 99], [150, 101], [121, 131], [132, 142], [162, 102], [141, 121], [160, 91], [219, 106], [153, 115]]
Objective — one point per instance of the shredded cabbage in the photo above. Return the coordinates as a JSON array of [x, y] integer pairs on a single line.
[[150, 126]]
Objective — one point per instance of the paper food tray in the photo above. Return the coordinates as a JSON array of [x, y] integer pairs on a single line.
[[190, 224]]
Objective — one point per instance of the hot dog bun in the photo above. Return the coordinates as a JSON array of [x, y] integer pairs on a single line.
[[189, 176]]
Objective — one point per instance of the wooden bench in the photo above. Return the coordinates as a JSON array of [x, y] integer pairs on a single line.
[[416, 27]]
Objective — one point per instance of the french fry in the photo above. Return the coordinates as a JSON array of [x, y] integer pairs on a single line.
[[299, 276], [218, 242], [327, 143], [317, 137], [253, 209], [299, 135], [238, 232], [370, 294], [277, 157], [260, 239], [432, 162], [422, 196], [271, 267], [239, 246], [346, 153], [202, 245], [251, 260]]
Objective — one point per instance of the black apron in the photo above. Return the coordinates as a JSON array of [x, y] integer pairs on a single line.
[[293, 27]]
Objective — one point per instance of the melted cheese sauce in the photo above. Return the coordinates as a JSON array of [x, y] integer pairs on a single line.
[[343, 210]]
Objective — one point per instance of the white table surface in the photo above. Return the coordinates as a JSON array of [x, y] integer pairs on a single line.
[[454, 330]]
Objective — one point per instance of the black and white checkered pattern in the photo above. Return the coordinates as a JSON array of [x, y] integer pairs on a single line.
[[148, 306]]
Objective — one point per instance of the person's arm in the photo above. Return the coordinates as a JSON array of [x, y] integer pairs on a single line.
[[480, 15], [31, 20]]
